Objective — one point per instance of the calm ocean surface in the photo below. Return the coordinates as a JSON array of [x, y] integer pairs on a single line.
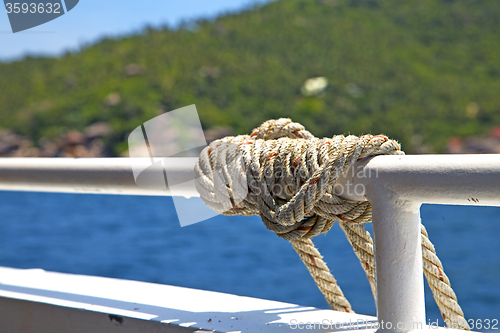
[[139, 238]]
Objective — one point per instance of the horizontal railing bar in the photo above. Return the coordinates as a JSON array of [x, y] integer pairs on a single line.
[[436, 179], [445, 179], [95, 175]]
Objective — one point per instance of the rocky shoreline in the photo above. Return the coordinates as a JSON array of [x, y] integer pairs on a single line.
[[90, 143], [87, 143]]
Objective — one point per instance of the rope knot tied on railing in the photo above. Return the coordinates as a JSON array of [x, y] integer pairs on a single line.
[[288, 177]]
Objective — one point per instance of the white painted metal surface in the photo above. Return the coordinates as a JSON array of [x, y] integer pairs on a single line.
[[94, 175], [113, 303], [443, 179], [395, 185], [34, 300], [398, 261], [434, 179]]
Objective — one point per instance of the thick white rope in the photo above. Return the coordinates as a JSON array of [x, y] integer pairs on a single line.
[[287, 176]]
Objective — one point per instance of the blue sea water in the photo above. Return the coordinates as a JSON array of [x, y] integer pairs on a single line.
[[139, 238]]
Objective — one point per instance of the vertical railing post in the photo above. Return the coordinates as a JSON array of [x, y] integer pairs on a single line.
[[398, 260], [396, 186]]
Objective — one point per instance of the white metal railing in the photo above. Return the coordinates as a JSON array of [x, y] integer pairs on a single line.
[[395, 185], [92, 175]]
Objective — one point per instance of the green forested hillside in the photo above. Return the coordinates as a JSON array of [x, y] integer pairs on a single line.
[[416, 70]]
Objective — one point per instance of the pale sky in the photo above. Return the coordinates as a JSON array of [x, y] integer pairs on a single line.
[[93, 19]]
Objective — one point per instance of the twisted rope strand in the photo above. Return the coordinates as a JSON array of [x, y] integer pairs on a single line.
[[319, 271], [440, 285], [362, 243], [284, 174]]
